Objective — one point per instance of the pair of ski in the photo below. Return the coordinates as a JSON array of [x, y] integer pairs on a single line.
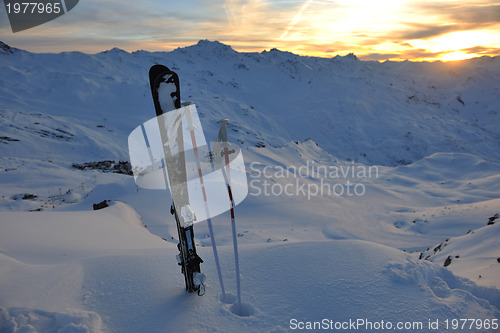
[[165, 89]]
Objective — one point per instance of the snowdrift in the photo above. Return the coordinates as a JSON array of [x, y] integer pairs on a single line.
[[104, 270]]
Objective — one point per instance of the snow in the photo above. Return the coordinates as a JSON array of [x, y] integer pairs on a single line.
[[357, 171], [473, 255]]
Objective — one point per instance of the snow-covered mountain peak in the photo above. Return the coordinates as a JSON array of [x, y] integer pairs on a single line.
[[115, 50], [275, 52], [351, 57], [208, 49]]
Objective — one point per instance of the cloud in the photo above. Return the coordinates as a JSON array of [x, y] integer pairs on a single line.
[[449, 16], [478, 13], [482, 50], [99, 25], [423, 31], [436, 18]]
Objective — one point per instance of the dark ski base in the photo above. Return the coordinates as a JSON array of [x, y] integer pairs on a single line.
[[187, 258]]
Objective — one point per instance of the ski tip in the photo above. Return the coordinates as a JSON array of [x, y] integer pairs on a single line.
[[155, 71], [158, 68], [157, 75], [222, 121]]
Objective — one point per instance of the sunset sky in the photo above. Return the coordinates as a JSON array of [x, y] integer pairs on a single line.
[[373, 30]]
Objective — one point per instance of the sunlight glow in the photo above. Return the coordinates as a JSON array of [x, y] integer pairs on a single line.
[[393, 29], [457, 55], [460, 40]]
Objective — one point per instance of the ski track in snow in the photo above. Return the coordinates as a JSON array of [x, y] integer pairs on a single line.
[[429, 130]]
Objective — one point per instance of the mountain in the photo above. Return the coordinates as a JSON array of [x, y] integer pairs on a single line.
[[356, 170], [376, 113]]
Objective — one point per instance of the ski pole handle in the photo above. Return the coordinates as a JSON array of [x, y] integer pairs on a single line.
[[223, 130]]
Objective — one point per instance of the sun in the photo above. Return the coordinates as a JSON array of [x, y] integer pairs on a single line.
[[457, 55]]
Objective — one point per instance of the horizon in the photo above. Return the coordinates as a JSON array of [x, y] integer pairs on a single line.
[[395, 30], [243, 52]]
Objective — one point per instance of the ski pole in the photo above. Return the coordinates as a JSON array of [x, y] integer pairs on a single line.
[[191, 127], [227, 178]]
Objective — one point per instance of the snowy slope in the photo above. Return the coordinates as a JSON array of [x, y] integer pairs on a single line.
[[378, 159], [473, 255], [120, 279]]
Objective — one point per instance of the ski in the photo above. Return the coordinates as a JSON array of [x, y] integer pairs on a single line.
[[165, 90]]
